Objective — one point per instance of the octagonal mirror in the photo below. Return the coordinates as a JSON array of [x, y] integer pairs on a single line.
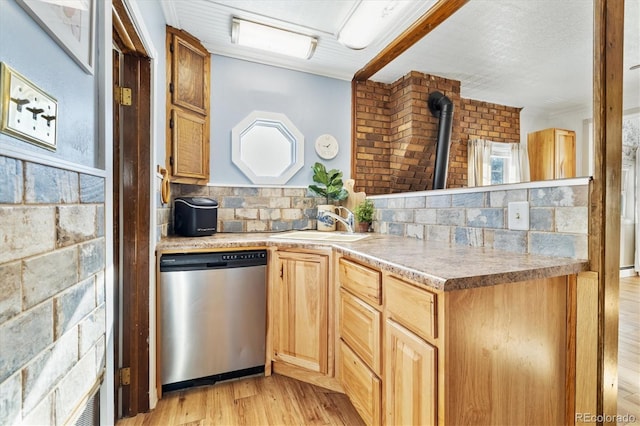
[[267, 147]]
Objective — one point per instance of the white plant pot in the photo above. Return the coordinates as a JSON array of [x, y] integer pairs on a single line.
[[326, 223]]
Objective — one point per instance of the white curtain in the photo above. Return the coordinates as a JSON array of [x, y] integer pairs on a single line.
[[479, 157], [480, 153], [637, 215]]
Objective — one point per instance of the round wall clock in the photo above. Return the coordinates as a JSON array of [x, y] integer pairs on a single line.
[[327, 147]]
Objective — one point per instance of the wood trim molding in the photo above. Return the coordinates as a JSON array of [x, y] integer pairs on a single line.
[[604, 225], [586, 342], [438, 13], [125, 30], [354, 134], [570, 378]]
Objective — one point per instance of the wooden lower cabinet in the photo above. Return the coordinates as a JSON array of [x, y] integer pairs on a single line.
[[300, 310], [410, 378], [361, 385], [500, 354]]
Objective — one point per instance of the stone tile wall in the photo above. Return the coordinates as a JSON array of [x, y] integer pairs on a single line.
[[250, 209], [558, 218], [52, 291]]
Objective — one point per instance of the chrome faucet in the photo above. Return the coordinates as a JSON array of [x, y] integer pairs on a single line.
[[349, 221]]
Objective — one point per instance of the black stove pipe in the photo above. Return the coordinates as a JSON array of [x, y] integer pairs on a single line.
[[441, 106]]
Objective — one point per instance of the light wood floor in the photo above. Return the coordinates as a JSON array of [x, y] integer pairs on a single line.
[[278, 400], [629, 349], [257, 400]]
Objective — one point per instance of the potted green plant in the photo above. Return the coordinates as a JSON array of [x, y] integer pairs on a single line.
[[329, 185], [364, 215]]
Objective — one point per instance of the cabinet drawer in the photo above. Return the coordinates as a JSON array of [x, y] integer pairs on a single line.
[[361, 280], [360, 327], [361, 386], [413, 307]]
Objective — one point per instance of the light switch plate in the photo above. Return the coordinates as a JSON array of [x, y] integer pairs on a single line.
[[27, 112], [518, 215]]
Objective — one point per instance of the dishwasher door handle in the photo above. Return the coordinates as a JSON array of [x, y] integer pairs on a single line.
[[216, 265], [193, 266]]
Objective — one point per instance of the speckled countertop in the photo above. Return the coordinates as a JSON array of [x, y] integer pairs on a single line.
[[438, 265]]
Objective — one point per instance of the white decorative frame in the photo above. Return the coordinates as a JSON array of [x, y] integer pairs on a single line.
[[267, 147], [71, 23]]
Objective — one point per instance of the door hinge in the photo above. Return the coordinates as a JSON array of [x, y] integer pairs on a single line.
[[281, 271], [170, 87], [171, 123], [123, 96], [124, 376], [171, 47], [171, 160]]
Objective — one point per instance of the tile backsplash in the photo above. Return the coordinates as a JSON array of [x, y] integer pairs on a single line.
[[247, 209], [476, 217]]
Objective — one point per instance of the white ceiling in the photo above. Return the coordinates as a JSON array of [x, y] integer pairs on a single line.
[[533, 54]]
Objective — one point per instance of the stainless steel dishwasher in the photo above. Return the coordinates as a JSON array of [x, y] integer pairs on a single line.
[[212, 316]]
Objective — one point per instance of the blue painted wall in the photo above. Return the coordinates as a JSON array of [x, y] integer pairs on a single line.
[[154, 23], [28, 49], [316, 105]]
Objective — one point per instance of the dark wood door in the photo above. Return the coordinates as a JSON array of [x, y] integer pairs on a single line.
[[135, 214], [132, 213]]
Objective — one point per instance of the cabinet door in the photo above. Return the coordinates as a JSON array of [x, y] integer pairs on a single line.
[[190, 145], [541, 146], [301, 316], [410, 378], [565, 154], [189, 72]]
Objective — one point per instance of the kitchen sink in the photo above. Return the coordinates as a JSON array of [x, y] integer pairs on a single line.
[[320, 236]]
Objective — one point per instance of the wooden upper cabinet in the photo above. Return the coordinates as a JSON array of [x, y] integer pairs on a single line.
[[188, 98], [190, 67], [552, 154]]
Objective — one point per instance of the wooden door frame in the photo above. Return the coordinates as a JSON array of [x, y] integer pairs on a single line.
[[132, 213], [604, 224], [116, 232]]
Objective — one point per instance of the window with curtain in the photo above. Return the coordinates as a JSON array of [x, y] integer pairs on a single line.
[[494, 163]]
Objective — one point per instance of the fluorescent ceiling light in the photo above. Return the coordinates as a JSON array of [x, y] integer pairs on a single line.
[[369, 20], [264, 37]]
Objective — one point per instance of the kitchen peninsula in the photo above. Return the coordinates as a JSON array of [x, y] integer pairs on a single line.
[[419, 332]]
